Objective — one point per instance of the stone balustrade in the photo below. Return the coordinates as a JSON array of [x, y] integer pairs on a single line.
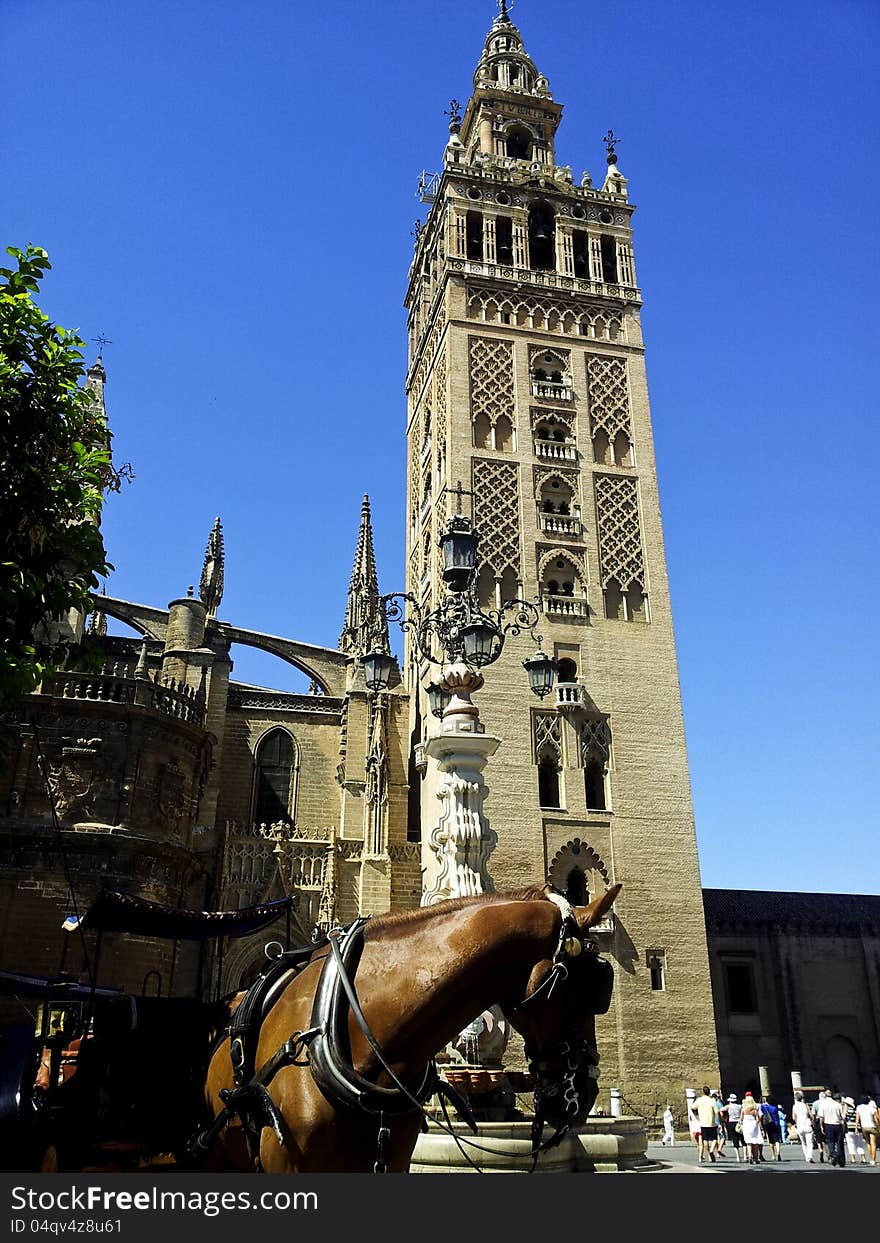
[[561, 524], [555, 450], [569, 695], [564, 606], [548, 390], [545, 280], [124, 684]]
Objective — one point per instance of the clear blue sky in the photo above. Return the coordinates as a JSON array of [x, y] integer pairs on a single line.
[[227, 191]]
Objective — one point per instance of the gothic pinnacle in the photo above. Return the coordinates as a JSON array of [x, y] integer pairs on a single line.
[[211, 583], [365, 624]]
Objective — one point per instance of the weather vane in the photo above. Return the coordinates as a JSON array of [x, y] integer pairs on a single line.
[[611, 140], [454, 114], [100, 340], [504, 7]]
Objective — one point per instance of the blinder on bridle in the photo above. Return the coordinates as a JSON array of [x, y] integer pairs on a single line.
[[590, 983]]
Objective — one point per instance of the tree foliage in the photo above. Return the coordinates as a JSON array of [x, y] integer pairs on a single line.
[[55, 466]]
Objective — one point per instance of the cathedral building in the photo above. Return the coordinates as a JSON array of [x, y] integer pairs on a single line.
[[162, 775]]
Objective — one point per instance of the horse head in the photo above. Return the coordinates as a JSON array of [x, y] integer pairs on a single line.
[[556, 1017]]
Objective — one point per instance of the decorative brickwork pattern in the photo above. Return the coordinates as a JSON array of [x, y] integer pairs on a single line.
[[496, 514], [440, 408], [491, 373], [415, 474], [538, 314], [546, 733], [620, 541], [609, 397], [595, 740]]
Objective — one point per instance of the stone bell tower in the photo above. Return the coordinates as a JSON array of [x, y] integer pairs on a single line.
[[526, 383]]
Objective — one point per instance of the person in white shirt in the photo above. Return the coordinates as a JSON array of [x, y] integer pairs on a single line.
[[731, 1112], [830, 1112], [668, 1128], [868, 1125], [802, 1117]]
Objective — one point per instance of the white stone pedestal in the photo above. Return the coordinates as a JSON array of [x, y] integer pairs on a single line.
[[456, 851]]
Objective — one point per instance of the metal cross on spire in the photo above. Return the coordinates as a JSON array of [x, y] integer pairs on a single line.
[[611, 140], [454, 114], [100, 340]]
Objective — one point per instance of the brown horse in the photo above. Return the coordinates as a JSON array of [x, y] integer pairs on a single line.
[[421, 977]]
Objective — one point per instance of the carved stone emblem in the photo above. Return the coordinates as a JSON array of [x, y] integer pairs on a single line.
[[72, 779], [172, 792]]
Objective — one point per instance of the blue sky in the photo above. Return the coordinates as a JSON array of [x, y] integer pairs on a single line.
[[222, 186]]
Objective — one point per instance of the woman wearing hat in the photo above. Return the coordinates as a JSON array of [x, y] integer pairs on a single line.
[[732, 1111]]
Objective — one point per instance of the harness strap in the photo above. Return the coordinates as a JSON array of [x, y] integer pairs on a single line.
[[330, 1051]]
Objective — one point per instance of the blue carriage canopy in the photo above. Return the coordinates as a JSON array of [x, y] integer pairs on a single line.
[[114, 911]]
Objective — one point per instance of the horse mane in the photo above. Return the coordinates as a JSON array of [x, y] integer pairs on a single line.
[[420, 914]]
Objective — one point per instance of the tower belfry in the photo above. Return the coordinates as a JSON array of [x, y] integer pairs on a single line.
[[526, 381]]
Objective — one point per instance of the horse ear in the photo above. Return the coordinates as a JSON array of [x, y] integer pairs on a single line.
[[587, 916]]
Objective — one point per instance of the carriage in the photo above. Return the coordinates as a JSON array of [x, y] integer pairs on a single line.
[[98, 1078]]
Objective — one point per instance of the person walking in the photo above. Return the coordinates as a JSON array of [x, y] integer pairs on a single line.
[[751, 1128], [694, 1125], [848, 1109], [720, 1131], [802, 1117], [830, 1113], [819, 1128], [772, 1129], [731, 1112], [868, 1125], [704, 1108], [668, 1139]]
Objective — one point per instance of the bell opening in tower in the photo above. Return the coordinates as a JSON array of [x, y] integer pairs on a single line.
[[519, 143], [609, 259], [541, 238]]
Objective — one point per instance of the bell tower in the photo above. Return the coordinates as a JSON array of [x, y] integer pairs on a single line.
[[526, 383]]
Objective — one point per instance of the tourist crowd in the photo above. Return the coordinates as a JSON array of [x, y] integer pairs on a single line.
[[833, 1129]]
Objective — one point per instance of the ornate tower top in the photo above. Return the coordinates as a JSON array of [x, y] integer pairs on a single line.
[[505, 64], [211, 582], [365, 625]]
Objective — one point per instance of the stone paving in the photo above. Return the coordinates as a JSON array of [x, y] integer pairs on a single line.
[[682, 1159]]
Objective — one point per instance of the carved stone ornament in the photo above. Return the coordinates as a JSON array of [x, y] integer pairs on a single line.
[[172, 797], [72, 780]]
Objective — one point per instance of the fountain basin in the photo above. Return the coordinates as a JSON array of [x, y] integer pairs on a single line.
[[599, 1145]]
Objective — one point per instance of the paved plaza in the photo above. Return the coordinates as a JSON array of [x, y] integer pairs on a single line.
[[682, 1159]]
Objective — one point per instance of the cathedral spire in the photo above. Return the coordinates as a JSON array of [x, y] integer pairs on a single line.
[[211, 582], [365, 625]]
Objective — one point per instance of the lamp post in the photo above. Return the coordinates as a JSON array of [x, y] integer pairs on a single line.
[[462, 638]]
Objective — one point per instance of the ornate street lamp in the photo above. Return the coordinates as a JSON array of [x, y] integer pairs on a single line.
[[462, 637], [541, 671], [438, 698], [458, 543], [378, 668], [466, 636]]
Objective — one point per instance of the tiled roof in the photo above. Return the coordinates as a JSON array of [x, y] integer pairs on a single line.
[[757, 906]]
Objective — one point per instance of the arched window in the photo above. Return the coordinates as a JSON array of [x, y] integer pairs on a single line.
[[482, 431], [548, 778], [273, 768], [504, 434], [566, 670], [594, 783]]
